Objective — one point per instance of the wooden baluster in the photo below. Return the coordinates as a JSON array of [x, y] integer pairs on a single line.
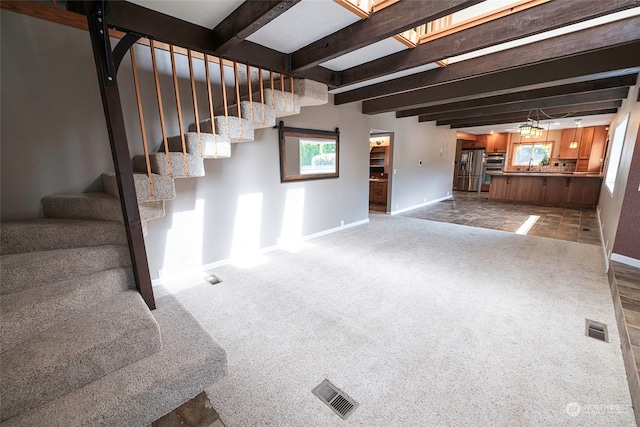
[[261, 93], [136, 84], [210, 96], [179, 107], [273, 93], [195, 99], [282, 91], [249, 90], [224, 97], [293, 96], [160, 108], [237, 88]]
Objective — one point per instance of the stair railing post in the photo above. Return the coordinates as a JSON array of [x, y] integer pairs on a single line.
[[112, 106]]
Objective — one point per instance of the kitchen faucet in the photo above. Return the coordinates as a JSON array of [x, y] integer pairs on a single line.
[[530, 161]]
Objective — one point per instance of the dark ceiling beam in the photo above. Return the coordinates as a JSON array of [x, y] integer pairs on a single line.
[[587, 86], [380, 25], [556, 113], [535, 20], [248, 18], [572, 99], [580, 42], [616, 61], [580, 114]]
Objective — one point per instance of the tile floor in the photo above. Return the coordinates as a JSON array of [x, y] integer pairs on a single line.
[[473, 209]]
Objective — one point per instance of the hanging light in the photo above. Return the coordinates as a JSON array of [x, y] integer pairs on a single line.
[[574, 142], [546, 144], [531, 128]]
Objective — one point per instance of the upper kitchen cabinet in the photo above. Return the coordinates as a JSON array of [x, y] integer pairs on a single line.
[[379, 160], [567, 151], [591, 149], [497, 142]]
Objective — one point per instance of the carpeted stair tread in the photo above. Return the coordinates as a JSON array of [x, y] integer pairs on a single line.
[[158, 163], [310, 92], [164, 187], [255, 116], [281, 101], [213, 147], [33, 269], [32, 311], [99, 205], [139, 393], [76, 352], [42, 234], [239, 130]]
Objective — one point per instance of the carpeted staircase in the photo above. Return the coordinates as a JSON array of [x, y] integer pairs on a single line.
[[79, 347]]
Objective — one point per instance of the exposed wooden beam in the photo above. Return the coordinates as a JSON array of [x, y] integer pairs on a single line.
[[580, 42], [386, 23], [568, 115], [248, 18], [568, 100], [119, 149], [612, 82], [588, 66], [535, 20], [559, 112]]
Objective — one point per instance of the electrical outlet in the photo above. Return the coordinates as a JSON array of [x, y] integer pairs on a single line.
[[394, 171], [342, 223]]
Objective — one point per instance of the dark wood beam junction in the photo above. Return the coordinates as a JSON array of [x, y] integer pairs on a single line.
[[560, 112], [555, 101], [545, 17], [248, 18], [383, 24], [605, 63], [536, 94], [585, 41]]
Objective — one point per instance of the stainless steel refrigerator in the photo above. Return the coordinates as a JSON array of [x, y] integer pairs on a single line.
[[470, 170]]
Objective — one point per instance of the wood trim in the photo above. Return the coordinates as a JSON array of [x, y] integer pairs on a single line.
[[261, 93], [195, 100], [362, 14], [381, 4], [273, 93], [210, 97], [282, 91], [223, 87], [160, 107], [466, 136], [250, 91], [405, 41], [143, 129], [237, 89]]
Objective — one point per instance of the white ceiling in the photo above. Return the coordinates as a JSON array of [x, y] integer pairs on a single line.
[[365, 54], [206, 13]]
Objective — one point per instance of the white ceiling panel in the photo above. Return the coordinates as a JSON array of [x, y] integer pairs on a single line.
[[304, 23], [386, 78], [365, 54], [206, 13]]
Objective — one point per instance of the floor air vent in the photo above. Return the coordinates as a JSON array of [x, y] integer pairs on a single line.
[[214, 280], [596, 330], [335, 399]]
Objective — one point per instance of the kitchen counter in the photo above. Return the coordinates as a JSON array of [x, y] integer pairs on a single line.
[[548, 174], [547, 188]]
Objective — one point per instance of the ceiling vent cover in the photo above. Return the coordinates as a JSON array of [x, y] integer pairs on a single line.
[[335, 399], [596, 330]]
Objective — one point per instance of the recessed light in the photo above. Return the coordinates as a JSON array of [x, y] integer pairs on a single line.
[[556, 123], [492, 132]]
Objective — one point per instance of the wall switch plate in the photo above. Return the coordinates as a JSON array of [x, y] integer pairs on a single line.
[[342, 222], [394, 171]]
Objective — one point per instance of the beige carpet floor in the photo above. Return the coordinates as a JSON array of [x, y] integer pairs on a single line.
[[422, 323]]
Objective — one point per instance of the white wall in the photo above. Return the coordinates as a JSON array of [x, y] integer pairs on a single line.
[[54, 141]]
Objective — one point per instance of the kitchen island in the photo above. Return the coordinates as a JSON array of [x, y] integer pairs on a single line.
[[547, 188]]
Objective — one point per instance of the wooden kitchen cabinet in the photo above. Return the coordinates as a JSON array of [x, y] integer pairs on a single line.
[[479, 143], [566, 152], [526, 189], [584, 150], [379, 160], [596, 156], [496, 143], [378, 192], [583, 191], [555, 191]]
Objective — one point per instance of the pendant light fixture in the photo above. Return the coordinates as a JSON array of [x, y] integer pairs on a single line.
[[574, 142]]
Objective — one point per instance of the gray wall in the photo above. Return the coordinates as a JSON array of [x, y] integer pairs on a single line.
[[54, 140], [610, 205]]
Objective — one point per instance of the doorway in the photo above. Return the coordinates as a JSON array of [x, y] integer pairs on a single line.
[[380, 152]]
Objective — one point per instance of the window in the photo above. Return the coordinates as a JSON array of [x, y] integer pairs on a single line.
[[531, 153], [615, 154]]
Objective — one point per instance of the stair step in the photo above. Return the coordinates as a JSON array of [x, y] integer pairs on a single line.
[[43, 234], [32, 311], [33, 269], [255, 117], [233, 132], [77, 352], [310, 92], [158, 163], [140, 393], [281, 101], [100, 205], [212, 148], [163, 186]]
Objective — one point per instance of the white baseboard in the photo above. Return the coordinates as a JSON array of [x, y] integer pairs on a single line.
[[625, 260], [198, 271], [399, 211], [604, 249]]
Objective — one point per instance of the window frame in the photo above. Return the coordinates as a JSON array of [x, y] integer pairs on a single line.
[[615, 154], [532, 144]]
